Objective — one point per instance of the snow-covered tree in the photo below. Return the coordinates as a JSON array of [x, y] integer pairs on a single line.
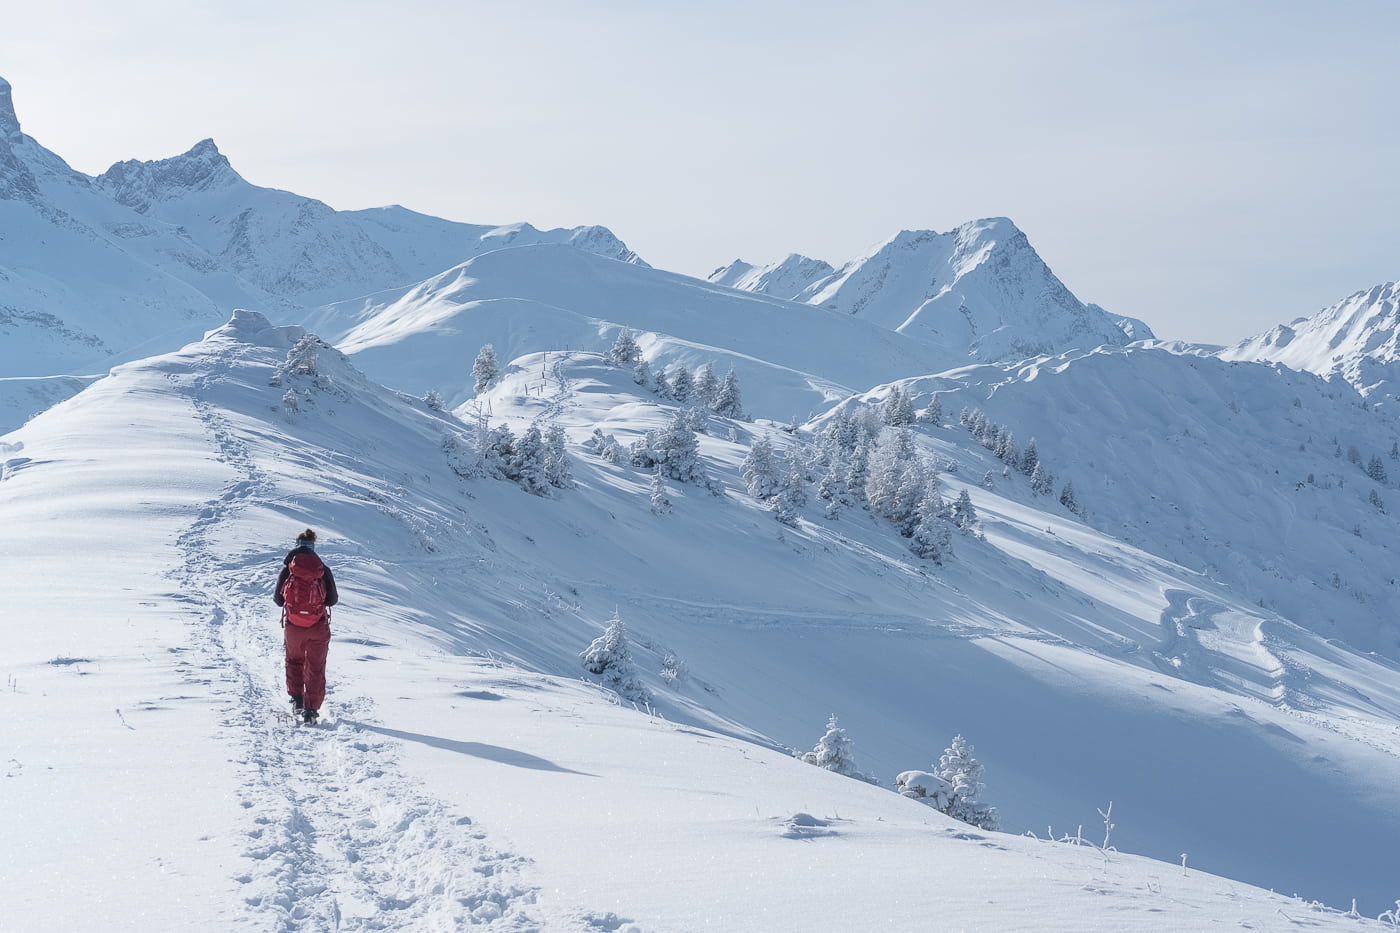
[[959, 768], [610, 658], [641, 375], [527, 465], [1042, 482], [558, 471], [497, 447], [1376, 469], [897, 409], [625, 349], [676, 449], [433, 400], [964, 514], [760, 470], [706, 385], [932, 538], [681, 382], [888, 463], [933, 412], [832, 487], [660, 502], [607, 447], [1068, 499], [728, 400], [1030, 458], [792, 493], [485, 368], [834, 753]]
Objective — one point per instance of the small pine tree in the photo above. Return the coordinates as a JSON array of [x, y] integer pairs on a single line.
[[557, 469], [1068, 498], [527, 465], [485, 368], [792, 494], [609, 657], [728, 400], [1030, 458], [641, 375], [1376, 469], [660, 502], [959, 768], [933, 413], [964, 514], [931, 539], [897, 410], [1042, 482], [625, 349], [760, 470], [682, 383], [833, 752], [706, 385], [433, 400]]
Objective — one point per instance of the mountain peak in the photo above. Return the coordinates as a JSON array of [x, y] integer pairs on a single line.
[[136, 184], [9, 122]]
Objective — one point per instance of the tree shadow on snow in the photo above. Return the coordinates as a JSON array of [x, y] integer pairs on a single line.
[[505, 756]]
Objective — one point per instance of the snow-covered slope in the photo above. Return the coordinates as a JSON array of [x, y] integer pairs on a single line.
[[1358, 339], [979, 292], [471, 776], [795, 359]]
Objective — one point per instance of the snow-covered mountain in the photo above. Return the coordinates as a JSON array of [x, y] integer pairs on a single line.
[[981, 292], [1176, 636], [149, 255], [1357, 339]]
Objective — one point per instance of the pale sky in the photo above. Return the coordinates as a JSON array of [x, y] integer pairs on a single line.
[[1213, 168]]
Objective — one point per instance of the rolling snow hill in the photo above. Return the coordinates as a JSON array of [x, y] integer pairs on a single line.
[[1086, 670]]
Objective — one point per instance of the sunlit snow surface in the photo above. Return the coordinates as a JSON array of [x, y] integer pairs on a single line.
[[470, 773]]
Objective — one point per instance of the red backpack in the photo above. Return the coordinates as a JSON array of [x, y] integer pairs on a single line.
[[304, 594]]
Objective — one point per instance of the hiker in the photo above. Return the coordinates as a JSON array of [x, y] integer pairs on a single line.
[[306, 591]]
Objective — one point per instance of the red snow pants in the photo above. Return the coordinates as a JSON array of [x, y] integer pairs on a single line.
[[306, 661]]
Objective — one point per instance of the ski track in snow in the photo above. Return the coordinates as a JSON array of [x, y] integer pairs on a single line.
[[337, 838]]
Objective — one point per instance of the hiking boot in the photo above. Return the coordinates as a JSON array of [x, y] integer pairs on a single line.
[[296, 702], [310, 716]]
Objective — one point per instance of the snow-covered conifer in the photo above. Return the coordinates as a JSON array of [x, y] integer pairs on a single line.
[[1376, 469], [728, 400], [660, 502], [932, 539], [675, 449], [497, 447], [527, 464], [557, 469], [858, 473], [888, 463], [897, 410], [609, 657], [760, 470], [485, 368], [706, 385], [433, 400], [607, 447], [792, 493], [1030, 458], [641, 375], [913, 486], [1042, 482], [964, 514], [834, 753], [832, 487], [1006, 451], [625, 349], [681, 382], [933, 412], [964, 772], [1068, 499]]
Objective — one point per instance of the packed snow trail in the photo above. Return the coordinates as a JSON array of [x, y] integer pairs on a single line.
[[337, 837]]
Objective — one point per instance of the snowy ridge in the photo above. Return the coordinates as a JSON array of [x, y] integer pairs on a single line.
[[149, 255], [1358, 339], [980, 292]]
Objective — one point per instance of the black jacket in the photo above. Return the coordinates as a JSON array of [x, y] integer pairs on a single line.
[[332, 596]]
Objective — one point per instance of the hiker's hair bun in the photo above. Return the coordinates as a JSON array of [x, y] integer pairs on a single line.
[[307, 535]]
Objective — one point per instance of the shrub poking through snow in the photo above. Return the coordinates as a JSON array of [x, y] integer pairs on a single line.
[[609, 657]]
